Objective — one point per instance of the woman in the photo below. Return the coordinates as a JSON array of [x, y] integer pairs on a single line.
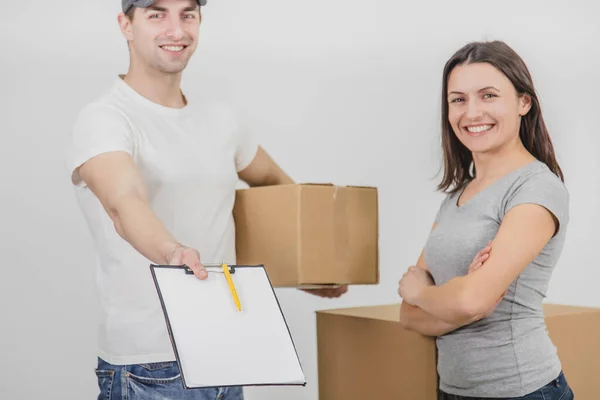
[[479, 283]]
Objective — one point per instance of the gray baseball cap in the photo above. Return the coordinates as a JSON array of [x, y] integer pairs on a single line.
[[127, 4]]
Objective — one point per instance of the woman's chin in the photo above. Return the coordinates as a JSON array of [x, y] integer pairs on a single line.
[[480, 148]]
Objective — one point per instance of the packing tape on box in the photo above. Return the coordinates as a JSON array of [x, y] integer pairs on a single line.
[[341, 231]]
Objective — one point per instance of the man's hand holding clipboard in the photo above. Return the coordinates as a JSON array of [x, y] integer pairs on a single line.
[[190, 257]]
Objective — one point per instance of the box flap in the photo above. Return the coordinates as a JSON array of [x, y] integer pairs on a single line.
[[555, 310], [339, 233], [316, 184], [361, 187], [389, 312], [259, 240], [319, 286], [261, 189], [329, 184]]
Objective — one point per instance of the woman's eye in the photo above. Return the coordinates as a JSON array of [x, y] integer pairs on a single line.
[[488, 95], [457, 100]]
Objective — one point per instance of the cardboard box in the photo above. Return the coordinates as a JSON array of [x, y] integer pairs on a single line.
[[575, 331], [364, 353], [309, 235]]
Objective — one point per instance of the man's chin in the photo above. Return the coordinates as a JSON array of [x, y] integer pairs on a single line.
[[172, 68]]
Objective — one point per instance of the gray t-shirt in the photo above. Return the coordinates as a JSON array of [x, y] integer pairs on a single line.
[[508, 354]]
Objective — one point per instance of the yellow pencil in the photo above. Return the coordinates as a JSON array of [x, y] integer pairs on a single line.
[[231, 287]]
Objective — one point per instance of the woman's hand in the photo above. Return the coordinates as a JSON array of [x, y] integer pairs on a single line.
[[480, 258], [412, 282]]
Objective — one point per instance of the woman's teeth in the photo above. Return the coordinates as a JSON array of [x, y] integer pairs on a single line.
[[479, 129]]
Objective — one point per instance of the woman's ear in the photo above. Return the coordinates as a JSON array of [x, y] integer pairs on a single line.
[[524, 104]]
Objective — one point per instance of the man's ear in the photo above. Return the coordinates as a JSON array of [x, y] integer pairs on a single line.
[[125, 25]]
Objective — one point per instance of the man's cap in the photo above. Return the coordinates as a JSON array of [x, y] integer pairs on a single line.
[[127, 4]]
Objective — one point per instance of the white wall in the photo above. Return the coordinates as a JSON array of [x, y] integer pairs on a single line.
[[342, 91]]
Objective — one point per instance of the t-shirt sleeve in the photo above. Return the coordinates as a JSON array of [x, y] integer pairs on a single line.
[[98, 129], [246, 150], [246, 147], [544, 189]]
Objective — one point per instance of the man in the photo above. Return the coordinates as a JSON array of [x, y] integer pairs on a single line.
[[155, 176]]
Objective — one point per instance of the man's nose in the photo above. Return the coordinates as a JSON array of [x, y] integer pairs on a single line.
[[175, 30]]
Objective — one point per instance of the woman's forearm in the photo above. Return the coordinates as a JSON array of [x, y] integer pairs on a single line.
[[415, 319], [449, 302]]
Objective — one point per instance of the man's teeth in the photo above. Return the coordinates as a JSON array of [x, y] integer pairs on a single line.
[[173, 48], [479, 129]]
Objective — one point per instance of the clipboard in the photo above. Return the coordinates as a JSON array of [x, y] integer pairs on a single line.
[[215, 344]]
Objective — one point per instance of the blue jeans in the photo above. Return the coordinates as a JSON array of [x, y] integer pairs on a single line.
[[558, 389], [155, 381]]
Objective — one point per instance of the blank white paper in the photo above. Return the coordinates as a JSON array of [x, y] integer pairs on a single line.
[[221, 346]]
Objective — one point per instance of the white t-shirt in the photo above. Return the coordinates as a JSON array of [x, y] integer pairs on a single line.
[[189, 159]]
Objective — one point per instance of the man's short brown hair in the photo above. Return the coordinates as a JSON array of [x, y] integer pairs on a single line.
[[130, 13]]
